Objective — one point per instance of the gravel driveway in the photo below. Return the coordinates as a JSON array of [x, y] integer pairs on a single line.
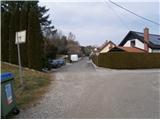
[[82, 91]]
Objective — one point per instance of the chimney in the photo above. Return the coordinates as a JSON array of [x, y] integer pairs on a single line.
[[146, 39]]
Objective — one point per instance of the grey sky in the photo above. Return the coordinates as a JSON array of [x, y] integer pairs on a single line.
[[93, 22]]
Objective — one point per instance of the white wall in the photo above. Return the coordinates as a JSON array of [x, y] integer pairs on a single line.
[[138, 44], [127, 44], [150, 50]]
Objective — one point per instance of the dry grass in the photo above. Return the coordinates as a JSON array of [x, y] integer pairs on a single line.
[[36, 85]]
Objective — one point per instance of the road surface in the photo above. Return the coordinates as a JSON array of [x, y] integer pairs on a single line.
[[83, 91]]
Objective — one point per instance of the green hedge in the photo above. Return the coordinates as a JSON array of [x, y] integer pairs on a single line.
[[95, 59], [126, 60]]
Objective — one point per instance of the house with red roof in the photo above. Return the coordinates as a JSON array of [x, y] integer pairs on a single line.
[[140, 42]]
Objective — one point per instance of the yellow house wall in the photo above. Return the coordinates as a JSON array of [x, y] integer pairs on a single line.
[[106, 48]]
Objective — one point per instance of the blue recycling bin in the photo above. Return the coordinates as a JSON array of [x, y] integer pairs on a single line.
[[8, 102]]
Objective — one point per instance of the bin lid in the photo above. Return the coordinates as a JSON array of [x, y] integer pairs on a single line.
[[6, 76]]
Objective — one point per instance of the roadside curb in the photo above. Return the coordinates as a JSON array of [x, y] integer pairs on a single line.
[[107, 69], [95, 66], [100, 68]]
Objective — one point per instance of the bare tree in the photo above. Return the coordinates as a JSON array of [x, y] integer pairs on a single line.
[[72, 45]]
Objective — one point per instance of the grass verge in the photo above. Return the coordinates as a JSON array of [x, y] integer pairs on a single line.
[[36, 84]]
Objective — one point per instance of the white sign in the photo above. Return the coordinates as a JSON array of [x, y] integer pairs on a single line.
[[20, 37]]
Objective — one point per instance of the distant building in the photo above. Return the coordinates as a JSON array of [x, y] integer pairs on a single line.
[[95, 51], [107, 46]]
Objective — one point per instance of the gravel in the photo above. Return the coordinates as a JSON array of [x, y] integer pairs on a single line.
[[83, 91]]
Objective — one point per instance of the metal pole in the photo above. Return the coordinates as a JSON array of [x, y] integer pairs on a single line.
[[19, 61]]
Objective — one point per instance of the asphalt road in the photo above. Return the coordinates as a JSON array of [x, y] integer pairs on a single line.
[[83, 91]]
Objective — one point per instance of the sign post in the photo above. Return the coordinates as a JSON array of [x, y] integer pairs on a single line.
[[20, 38]]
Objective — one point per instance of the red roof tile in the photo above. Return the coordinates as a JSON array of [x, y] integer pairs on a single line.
[[131, 49]]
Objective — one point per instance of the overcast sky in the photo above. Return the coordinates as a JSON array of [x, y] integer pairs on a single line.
[[95, 21]]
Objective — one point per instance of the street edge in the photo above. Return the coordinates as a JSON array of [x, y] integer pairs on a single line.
[[94, 65]]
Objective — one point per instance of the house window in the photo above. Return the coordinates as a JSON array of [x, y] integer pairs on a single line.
[[133, 43]]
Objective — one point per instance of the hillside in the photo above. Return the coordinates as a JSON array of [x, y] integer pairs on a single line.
[[36, 84]]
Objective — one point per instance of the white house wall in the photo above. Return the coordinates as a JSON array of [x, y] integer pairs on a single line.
[[150, 50], [127, 44], [138, 44]]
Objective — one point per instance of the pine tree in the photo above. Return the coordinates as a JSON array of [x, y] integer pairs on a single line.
[[13, 28], [24, 15], [23, 26], [4, 35], [34, 40]]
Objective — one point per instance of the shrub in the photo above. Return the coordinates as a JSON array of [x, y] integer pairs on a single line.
[[126, 60]]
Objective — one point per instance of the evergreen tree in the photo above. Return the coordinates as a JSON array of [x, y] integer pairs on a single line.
[[13, 28], [24, 15], [4, 35], [23, 26], [34, 40]]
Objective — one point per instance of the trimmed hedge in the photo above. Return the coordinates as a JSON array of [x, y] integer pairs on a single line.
[[126, 60], [95, 59]]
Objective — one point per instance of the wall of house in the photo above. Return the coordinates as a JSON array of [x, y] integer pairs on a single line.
[[138, 44], [107, 48], [127, 44], [150, 50]]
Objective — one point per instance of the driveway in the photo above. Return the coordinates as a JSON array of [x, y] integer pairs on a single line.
[[82, 91]]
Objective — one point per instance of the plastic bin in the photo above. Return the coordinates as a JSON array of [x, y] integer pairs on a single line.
[[8, 102]]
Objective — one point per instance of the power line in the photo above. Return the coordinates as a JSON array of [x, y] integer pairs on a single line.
[[118, 16], [134, 13]]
